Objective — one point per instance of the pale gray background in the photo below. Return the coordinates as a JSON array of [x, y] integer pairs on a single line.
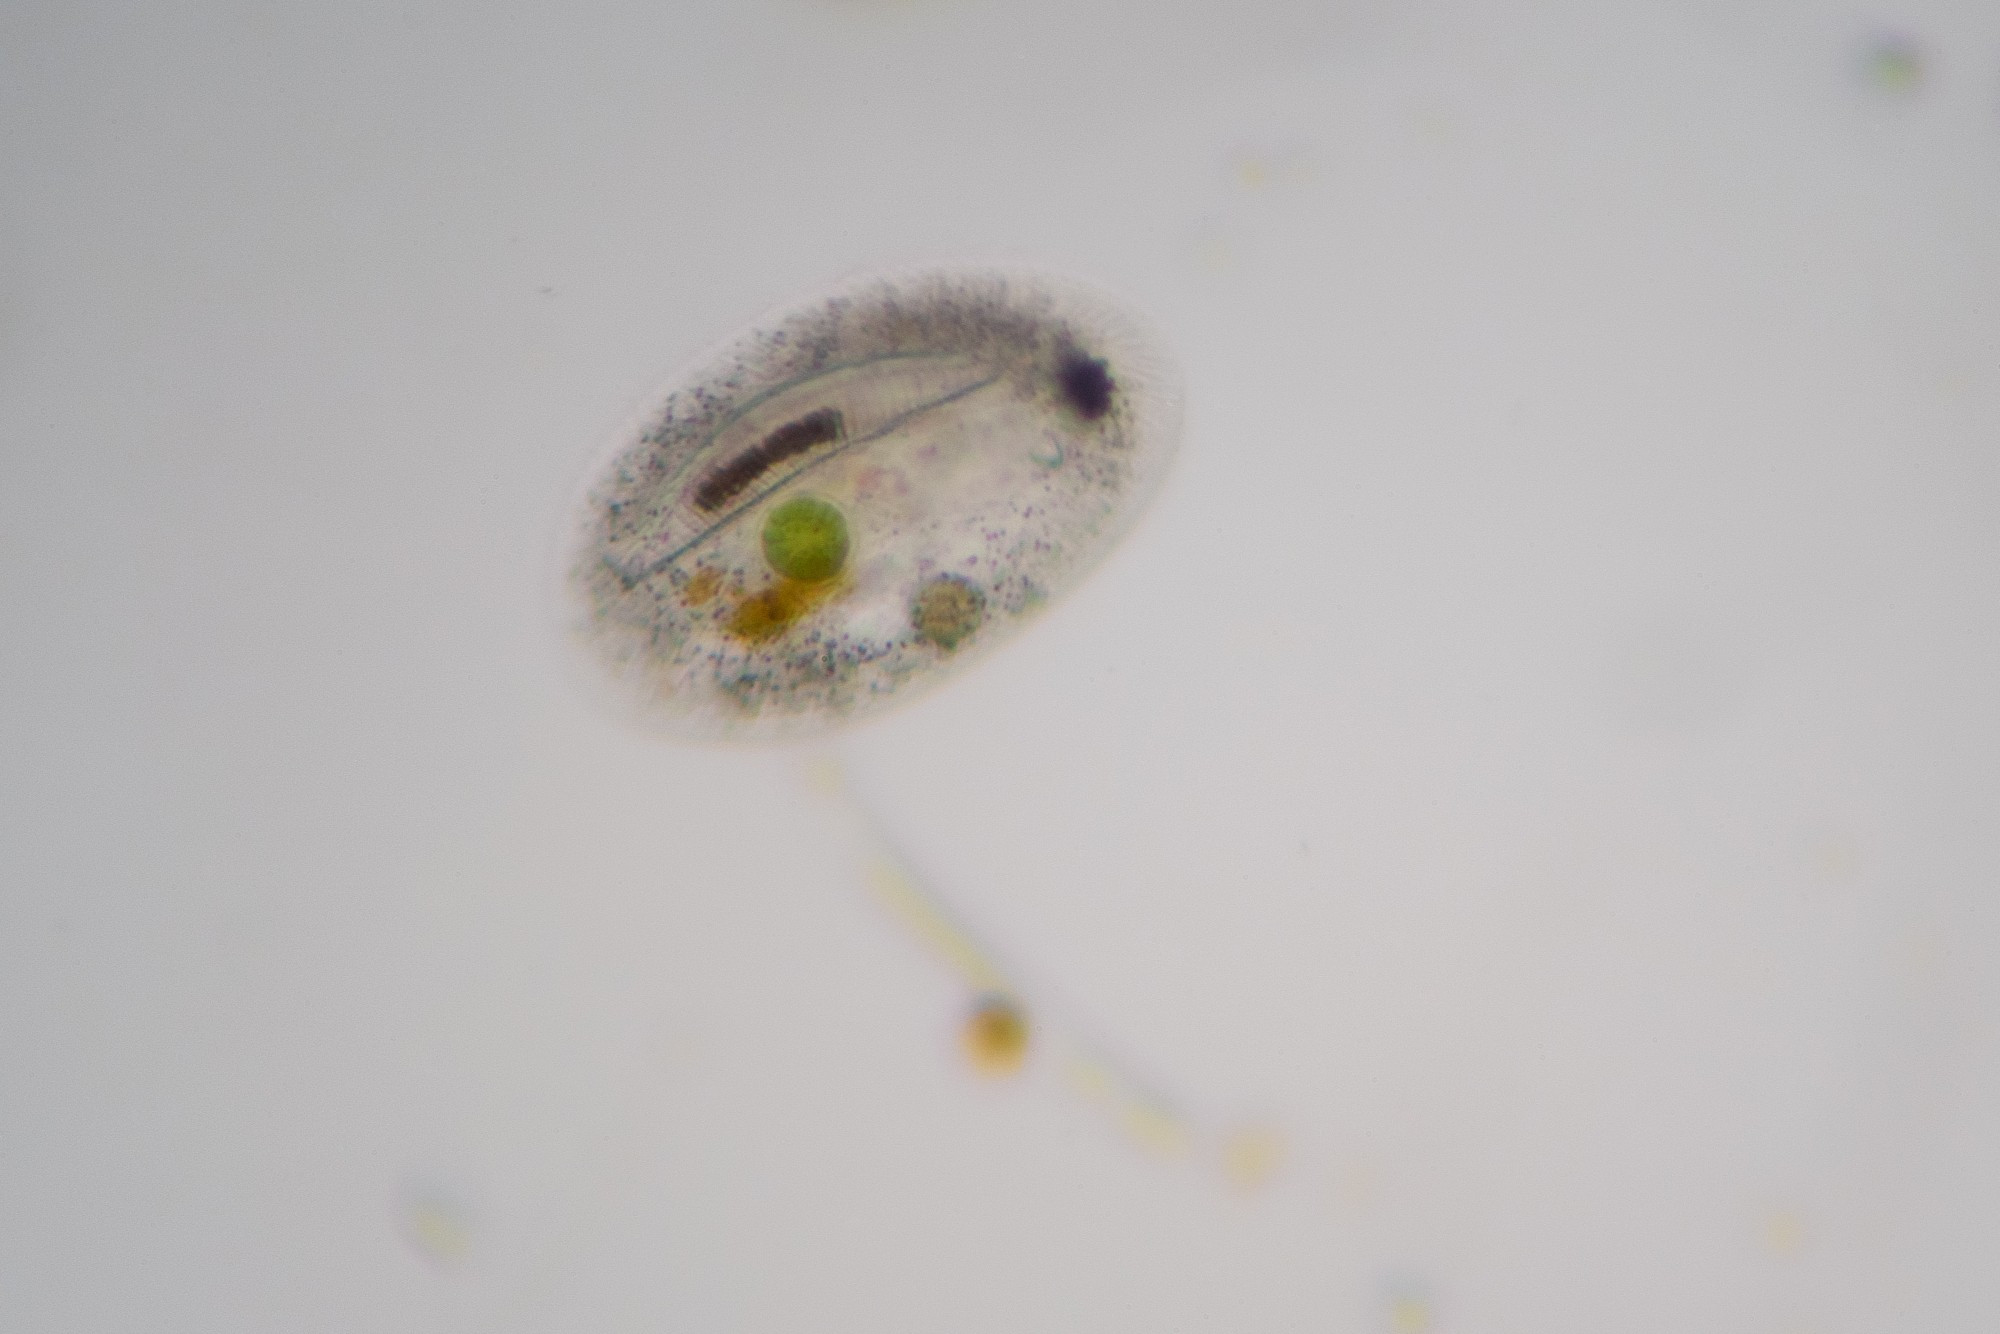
[[1540, 757]]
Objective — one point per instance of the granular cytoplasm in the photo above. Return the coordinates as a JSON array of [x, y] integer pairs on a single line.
[[862, 495]]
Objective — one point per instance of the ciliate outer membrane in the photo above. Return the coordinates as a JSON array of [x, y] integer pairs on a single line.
[[862, 495]]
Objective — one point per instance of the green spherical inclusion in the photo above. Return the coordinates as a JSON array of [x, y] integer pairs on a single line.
[[806, 539]]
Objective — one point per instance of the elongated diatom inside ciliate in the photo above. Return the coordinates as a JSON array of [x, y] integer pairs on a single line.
[[855, 499], [728, 478]]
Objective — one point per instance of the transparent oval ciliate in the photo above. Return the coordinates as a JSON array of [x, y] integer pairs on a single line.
[[855, 499]]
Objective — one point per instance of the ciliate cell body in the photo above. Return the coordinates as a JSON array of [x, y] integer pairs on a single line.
[[862, 495]]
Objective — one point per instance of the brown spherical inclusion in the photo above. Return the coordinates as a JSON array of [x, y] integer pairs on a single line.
[[947, 610], [996, 1036]]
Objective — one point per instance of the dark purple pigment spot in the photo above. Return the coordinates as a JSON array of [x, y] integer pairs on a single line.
[[1086, 383]]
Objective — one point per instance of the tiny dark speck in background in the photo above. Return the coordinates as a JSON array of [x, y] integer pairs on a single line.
[[1086, 383]]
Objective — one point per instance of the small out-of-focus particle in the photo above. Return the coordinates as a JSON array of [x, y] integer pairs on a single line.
[[1251, 1156], [1262, 168], [1409, 1308], [1157, 1128], [1409, 1314], [1893, 63], [1784, 1233], [437, 1227], [996, 1036]]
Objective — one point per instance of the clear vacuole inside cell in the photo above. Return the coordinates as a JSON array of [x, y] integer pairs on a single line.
[[857, 498]]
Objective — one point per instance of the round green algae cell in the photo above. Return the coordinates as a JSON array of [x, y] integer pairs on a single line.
[[862, 496], [805, 539]]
